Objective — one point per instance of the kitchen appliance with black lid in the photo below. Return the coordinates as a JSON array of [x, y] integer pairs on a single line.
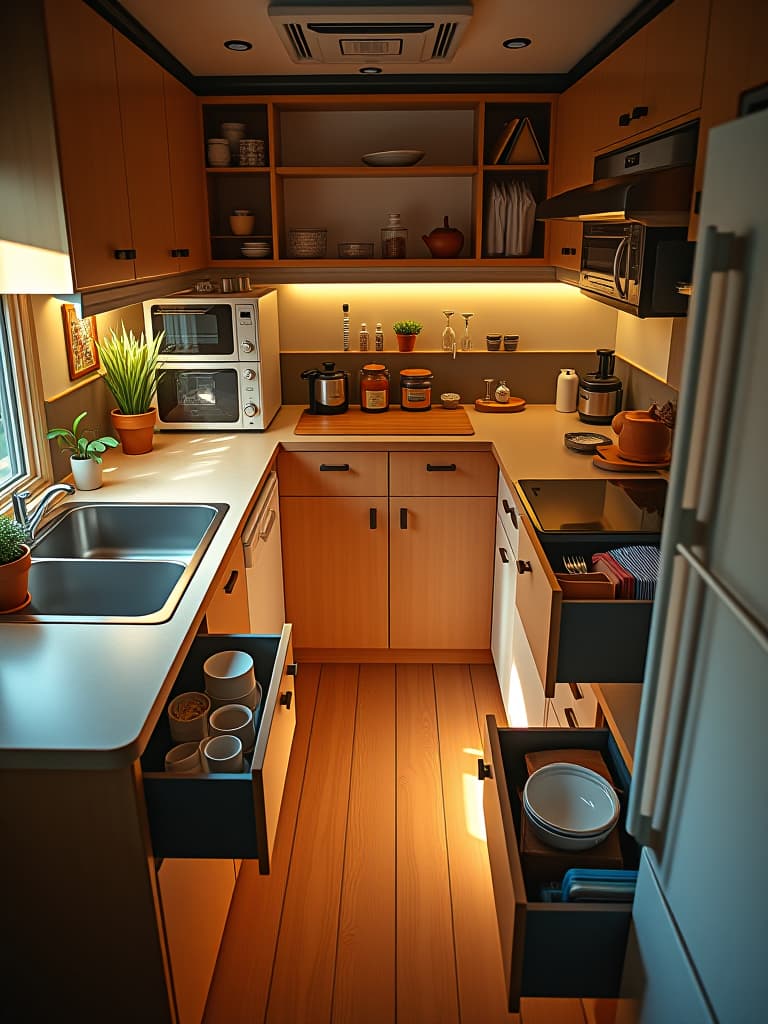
[[600, 393], [328, 390]]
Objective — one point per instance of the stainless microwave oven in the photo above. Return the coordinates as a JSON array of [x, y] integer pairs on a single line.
[[636, 268], [220, 360]]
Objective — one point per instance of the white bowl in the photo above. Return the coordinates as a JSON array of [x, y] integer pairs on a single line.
[[571, 800], [188, 716], [221, 754], [229, 674], [184, 758], [234, 720], [566, 842], [251, 698], [393, 158]]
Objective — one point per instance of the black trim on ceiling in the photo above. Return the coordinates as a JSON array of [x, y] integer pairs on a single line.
[[353, 82], [124, 22], [639, 16]]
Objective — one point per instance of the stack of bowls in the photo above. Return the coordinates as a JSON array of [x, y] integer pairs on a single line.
[[570, 807], [256, 250], [230, 679]]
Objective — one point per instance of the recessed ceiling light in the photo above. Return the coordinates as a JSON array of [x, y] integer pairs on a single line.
[[370, 71], [516, 43], [238, 44]]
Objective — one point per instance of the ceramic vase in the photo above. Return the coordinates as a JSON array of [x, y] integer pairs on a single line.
[[86, 473]]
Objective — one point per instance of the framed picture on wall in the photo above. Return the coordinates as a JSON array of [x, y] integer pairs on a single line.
[[80, 339]]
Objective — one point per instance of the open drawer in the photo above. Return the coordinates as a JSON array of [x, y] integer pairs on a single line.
[[232, 816], [578, 641], [549, 950]]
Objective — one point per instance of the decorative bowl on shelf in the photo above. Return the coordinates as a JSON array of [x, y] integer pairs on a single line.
[[307, 243], [393, 158], [356, 250]]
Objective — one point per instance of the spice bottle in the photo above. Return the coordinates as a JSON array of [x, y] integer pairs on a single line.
[[364, 337], [416, 390], [378, 339], [394, 239], [502, 392], [567, 391], [374, 388]]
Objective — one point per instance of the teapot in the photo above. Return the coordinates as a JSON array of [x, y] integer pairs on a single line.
[[445, 242], [328, 390], [642, 437]]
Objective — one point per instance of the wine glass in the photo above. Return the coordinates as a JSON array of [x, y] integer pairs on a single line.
[[466, 341], [449, 335]]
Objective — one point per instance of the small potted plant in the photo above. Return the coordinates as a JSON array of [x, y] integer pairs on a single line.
[[15, 560], [130, 371], [85, 459], [407, 331]]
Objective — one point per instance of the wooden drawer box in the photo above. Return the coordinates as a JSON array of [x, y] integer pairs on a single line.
[[578, 641], [332, 474], [441, 473], [220, 815], [550, 950]]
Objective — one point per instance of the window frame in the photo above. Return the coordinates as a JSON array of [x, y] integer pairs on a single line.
[[26, 392]]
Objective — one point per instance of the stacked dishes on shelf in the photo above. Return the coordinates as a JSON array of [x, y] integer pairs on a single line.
[[570, 807], [257, 250]]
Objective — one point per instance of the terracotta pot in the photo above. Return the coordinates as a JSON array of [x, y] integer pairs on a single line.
[[642, 438], [14, 581], [136, 432], [406, 342], [86, 474]]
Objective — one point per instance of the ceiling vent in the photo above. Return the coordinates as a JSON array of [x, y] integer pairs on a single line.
[[346, 32]]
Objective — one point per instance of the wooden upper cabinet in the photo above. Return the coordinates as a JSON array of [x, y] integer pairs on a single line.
[[575, 140], [674, 60], [617, 89], [185, 144], [86, 102], [142, 109]]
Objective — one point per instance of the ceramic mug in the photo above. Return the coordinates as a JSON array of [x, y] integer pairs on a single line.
[[234, 720], [229, 675], [222, 754], [183, 759], [642, 438]]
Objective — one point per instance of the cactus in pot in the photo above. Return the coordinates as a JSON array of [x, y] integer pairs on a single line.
[[15, 560]]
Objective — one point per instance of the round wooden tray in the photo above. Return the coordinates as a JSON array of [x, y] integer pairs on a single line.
[[513, 405]]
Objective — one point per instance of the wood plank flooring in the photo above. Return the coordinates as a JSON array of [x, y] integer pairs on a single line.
[[379, 908]]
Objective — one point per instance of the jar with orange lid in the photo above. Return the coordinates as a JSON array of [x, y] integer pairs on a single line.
[[374, 388], [416, 390]]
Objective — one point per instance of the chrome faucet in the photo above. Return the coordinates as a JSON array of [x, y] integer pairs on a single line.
[[30, 523]]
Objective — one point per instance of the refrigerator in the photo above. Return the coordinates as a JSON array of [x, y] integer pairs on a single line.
[[698, 950]]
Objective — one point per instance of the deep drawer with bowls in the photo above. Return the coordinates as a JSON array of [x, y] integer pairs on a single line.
[[226, 815], [552, 950]]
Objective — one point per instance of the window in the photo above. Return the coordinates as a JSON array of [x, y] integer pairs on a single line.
[[24, 458]]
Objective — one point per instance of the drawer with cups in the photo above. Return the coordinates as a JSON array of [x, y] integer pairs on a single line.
[[440, 473], [554, 947], [215, 766], [579, 632]]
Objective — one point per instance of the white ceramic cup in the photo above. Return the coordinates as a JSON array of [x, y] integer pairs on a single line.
[[222, 754], [183, 759], [251, 698], [185, 725], [229, 675], [234, 720]]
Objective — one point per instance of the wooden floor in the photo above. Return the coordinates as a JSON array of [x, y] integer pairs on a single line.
[[379, 907]]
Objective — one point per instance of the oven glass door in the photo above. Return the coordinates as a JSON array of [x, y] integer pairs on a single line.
[[599, 251], [199, 395], [203, 330]]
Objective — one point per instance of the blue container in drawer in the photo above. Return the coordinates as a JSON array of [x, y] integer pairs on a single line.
[[229, 816]]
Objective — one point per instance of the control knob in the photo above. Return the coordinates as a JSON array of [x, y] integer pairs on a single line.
[[247, 346], [249, 374], [250, 410]]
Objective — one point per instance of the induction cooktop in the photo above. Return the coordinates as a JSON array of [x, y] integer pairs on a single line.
[[596, 506]]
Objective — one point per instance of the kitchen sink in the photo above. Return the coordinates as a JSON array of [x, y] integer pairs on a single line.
[[117, 562]]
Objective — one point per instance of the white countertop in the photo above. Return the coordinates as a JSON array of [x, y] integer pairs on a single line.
[[87, 696]]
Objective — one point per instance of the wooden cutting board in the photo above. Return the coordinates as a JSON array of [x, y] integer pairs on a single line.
[[394, 421], [608, 457], [513, 405]]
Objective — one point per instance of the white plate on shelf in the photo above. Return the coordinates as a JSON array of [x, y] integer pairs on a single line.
[[393, 158]]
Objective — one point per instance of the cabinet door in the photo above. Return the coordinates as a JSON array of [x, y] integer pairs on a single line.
[[674, 62], [575, 137], [503, 606], [227, 611], [335, 570], [142, 113], [617, 89], [90, 142], [565, 244], [195, 896], [185, 144], [440, 572]]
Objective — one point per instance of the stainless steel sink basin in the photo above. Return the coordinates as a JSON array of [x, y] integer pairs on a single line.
[[110, 562]]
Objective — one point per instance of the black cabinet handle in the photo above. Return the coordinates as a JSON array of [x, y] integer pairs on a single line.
[[183, 253], [286, 698], [229, 586], [570, 717], [372, 514], [624, 120], [697, 203], [510, 510], [484, 771], [403, 518], [292, 669], [638, 112], [342, 468], [504, 556], [523, 566], [124, 254], [450, 468], [576, 691], [568, 250]]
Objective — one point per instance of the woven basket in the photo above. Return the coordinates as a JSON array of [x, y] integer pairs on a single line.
[[307, 243]]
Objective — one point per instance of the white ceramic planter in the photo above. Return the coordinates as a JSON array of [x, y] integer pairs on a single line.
[[86, 473]]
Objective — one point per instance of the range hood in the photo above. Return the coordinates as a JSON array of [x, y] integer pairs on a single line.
[[649, 183], [348, 32]]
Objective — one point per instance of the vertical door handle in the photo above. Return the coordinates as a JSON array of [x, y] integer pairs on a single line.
[[510, 510], [292, 669], [286, 698], [403, 518], [503, 555], [271, 520], [372, 515], [229, 586], [570, 717], [523, 566], [576, 691], [484, 771]]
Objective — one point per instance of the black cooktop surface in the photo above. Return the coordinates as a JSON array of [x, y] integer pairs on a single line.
[[596, 506]]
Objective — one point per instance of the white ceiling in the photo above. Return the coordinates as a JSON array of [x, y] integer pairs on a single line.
[[562, 31]]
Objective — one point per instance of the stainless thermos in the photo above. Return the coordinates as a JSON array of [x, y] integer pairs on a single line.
[[328, 390]]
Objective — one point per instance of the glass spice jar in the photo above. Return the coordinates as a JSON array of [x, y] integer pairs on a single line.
[[374, 388], [394, 239], [416, 390]]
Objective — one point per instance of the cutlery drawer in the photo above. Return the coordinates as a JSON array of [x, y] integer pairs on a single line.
[[577, 641], [443, 474], [549, 950], [332, 474], [222, 815]]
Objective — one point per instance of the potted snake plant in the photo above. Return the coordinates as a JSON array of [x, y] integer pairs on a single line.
[[130, 371], [15, 560], [85, 457]]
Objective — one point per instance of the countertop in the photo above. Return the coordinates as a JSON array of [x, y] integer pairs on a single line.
[[87, 696]]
